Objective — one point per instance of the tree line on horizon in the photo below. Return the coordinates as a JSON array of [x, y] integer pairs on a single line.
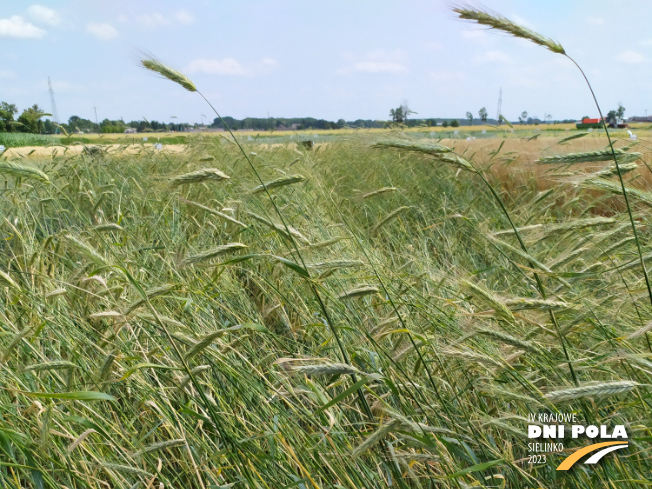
[[31, 121]]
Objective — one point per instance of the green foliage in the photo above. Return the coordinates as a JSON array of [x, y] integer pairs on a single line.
[[126, 139], [78, 124], [7, 112], [109, 273], [455, 123], [30, 120], [17, 140], [398, 114], [614, 115], [483, 115]]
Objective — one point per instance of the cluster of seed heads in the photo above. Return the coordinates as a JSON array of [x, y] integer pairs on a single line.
[[169, 73], [615, 188], [380, 191], [325, 369], [498, 22], [203, 175], [213, 252], [591, 156], [359, 292], [22, 171], [279, 182], [594, 390]]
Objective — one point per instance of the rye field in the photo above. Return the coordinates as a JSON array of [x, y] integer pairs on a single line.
[[371, 322], [382, 311]]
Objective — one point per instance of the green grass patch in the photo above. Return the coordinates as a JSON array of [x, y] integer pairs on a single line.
[[19, 139], [127, 139]]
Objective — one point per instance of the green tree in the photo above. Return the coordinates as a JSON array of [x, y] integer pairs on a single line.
[[444, 124], [523, 117], [49, 127], [30, 120], [469, 116], [483, 115], [398, 114], [455, 123], [620, 112], [77, 124], [7, 112]]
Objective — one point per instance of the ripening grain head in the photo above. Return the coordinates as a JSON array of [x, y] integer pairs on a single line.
[[22, 171], [500, 23], [169, 73], [203, 175]]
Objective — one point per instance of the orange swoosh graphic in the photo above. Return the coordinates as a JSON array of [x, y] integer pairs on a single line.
[[571, 459]]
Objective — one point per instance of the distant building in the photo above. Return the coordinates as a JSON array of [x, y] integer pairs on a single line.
[[640, 119], [598, 123], [130, 130]]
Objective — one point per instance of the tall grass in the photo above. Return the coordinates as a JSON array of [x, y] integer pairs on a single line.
[[104, 259], [370, 314], [497, 22], [19, 139]]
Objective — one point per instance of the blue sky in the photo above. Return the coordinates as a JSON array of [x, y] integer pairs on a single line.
[[338, 59]]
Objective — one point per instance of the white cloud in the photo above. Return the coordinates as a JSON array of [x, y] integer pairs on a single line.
[[264, 67], [494, 57], [102, 31], [184, 17], [157, 19], [43, 15], [597, 21], [16, 27], [379, 67], [226, 66], [630, 57]]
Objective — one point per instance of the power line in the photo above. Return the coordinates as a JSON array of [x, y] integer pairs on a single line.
[[500, 104], [55, 115]]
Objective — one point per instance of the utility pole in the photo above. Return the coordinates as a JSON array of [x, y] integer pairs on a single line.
[[55, 116], [98, 124], [500, 104]]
